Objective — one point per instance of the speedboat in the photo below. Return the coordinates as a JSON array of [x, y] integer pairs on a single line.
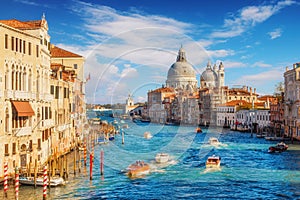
[[213, 161], [213, 141], [138, 168], [162, 157], [198, 130], [280, 147], [54, 181], [147, 135]]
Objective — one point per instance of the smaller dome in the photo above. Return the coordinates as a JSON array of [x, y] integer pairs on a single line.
[[209, 75]]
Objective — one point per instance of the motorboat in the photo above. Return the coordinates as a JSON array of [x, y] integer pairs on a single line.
[[145, 120], [54, 181], [213, 141], [111, 137], [213, 161], [280, 147], [138, 168], [198, 130], [147, 135], [162, 157]]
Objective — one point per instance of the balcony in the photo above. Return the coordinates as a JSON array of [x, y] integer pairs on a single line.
[[48, 123], [24, 131], [8, 94], [63, 127]]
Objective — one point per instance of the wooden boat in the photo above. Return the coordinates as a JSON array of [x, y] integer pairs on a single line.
[[147, 135], [213, 161], [54, 181], [162, 157], [280, 147], [138, 168], [198, 130]]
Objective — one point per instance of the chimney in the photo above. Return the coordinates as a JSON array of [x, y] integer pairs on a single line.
[[250, 90], [254, 91], [286, 68]]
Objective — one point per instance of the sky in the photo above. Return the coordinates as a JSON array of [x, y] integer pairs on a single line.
[[129, 45]]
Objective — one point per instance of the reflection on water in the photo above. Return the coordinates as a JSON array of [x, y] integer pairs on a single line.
[[247, 169]]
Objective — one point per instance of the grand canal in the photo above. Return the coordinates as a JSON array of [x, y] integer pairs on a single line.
[[247, 170]]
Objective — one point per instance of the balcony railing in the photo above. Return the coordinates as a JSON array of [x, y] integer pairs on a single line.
[[24, 131]]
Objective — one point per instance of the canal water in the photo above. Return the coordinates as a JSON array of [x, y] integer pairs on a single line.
[[247, 170]]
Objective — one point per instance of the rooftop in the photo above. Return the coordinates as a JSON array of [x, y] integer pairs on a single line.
[[57, 52]]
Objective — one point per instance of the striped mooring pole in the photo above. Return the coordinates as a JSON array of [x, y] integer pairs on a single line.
[[17, 183], [45, 183], [5, 179]]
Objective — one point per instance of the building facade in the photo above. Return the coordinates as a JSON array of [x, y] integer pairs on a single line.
[[24, 92], [292, 102]]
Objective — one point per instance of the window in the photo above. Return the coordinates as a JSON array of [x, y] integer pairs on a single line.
[[14, 148], [12, 43], [6, 41], [37, 50], [65, 92], [17, 44], [29, 48], [39, 144], [6, 150], [20, 49], [75, 66], [56, 92], [24, 47], [52, 89], [30, 145]]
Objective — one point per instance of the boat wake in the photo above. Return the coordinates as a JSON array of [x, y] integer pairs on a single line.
[[211, 170]]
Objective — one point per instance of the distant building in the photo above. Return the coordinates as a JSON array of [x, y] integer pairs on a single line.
[[211, 93], [292, 101]]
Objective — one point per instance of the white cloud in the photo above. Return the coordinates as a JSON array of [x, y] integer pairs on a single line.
[[275, 34], [261, 64], [248, 17]]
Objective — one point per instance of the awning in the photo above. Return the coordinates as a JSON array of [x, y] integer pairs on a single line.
[[23, 108]]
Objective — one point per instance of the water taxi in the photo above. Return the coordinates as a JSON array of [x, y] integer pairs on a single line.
[[213, 141], [280, 147], [213, 161], [54, 181], [162, 157], [198, 130], [138, 168], [147, 135]]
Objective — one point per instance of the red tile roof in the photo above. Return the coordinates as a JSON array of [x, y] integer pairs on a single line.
[[57, 52], [163, 90], [22, 25]]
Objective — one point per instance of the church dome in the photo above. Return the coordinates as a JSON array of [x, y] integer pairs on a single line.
[[181, 68], [209, 75]]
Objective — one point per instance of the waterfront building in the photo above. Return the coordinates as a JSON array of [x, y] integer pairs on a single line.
[[212, 92], [226, 113], [241, 93], [292, 101], [68, 88], [277, 115], [157, 102], [129, 106], [24, 93]]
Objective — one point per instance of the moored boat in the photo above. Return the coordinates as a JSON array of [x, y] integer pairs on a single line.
[[138, 168], [162, 157], [213, 161], [280, 147], [54, 181]]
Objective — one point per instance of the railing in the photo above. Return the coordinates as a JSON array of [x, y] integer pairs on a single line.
[[24, 131]]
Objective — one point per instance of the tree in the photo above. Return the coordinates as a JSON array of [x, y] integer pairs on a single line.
[[279, 88]]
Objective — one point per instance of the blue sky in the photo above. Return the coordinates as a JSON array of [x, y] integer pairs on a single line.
[[130, 45]]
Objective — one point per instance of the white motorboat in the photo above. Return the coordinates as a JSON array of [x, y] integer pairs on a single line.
[[213, 141], [54, 181], [213, 161], [147, 135], [162, 157]]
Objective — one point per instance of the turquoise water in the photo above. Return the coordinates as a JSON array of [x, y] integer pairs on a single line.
[[247, 170]]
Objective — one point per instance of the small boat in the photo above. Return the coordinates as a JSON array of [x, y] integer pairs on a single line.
[[125, 126], [198, 130], [213, 141], [102, 140], [145, 120], [213, 161], [147, 135], [280, 147], [138, 168], [162, 157], [54, 181], [111, 137]]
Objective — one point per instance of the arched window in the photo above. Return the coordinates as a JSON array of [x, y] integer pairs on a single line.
[[29, 81]]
